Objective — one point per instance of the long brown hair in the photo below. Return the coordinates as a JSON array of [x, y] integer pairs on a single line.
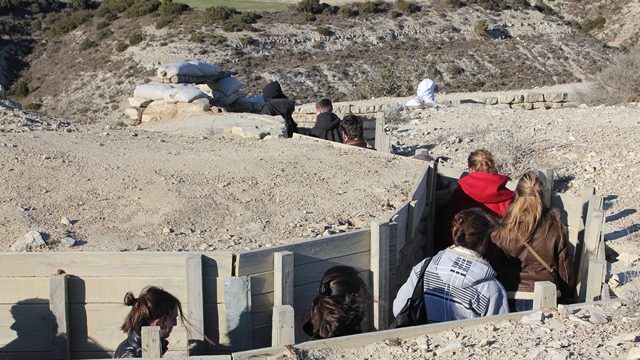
[[152, 303], [523, 216], [340, 305], [481, 160], [472, 228]]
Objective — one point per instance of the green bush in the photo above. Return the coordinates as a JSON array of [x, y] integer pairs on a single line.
[[83, 4], [168, 8], [619, 82], [121, 46], [589, 25], [103, 34], [69, 22], [348, 11], [454, 69], [310, 7], [163, 21], [136, 38], [373, 7], [324, 31], [20, 88], [102, 24], [142, 8], [33, 106], [87, 44], [113, 7], [480, 28], [247, 41], [542, 7], [407, 7], [219, 13]]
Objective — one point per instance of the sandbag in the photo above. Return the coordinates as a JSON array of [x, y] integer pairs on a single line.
[[154, 91], [226, 86], [188, 68], [187, 93], [222, 99]]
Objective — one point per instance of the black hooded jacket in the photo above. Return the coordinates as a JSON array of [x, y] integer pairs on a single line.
[[131, 347], [327, 127], [276, 103]]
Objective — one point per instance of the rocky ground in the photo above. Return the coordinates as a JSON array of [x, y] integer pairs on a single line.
[[607, 330], [126, 189]]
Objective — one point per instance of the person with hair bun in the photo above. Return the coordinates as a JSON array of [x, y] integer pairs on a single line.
[[483, 187], [153, 307], [536, 239], [340, 305], [459, 283]]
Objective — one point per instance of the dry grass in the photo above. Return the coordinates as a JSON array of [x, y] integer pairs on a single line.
[[619, 82]]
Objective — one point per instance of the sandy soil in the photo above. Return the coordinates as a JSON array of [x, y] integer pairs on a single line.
[[126, 189]]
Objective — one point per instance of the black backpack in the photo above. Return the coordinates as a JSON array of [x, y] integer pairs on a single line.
[[414, 312]]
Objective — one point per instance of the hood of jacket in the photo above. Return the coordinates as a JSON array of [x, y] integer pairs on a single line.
[[486, 188], [462, 267], [273, 90]]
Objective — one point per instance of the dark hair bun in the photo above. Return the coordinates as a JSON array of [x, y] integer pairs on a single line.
[[130, 299]]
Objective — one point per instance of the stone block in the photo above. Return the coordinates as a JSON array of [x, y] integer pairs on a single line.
[[556, 97], [139, 102], [534, 97], [491, 100], [147, 118], [163, 110], [511, 99], [562, 105], [524, 106], [131, 122], [133, 113]]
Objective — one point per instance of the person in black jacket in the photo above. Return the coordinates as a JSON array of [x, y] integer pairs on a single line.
[[153, 307], [276, 103], [327, 124]]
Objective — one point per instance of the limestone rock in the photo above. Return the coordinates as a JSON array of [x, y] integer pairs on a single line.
[[562, 105], [133, 113], [30, 241], [534, 97], [533, 318], [69, 241], [556, 97], [525, 106], [511, 99], [163, 110], [557, 354], [246, 132], [634, 354], [491, 100], [139, 102], [131, 122]]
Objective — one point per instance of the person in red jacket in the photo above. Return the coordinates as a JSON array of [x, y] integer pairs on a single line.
[[483, 187]]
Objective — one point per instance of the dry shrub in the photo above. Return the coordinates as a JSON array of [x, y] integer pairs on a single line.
[[619, 82]]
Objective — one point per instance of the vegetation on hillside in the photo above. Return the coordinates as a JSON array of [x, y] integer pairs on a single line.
[[619, 82]]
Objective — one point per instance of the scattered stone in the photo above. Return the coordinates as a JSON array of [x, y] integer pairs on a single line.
[[167, 230], [534, 97], [133, 113], [534, 318], [557, 354], [139, 102], [186, 231], [69, 241], [556, 97], [450, 347], [624, 339], [29, 242], [597, 318], [537, 353], [65, 221], [564, 310]]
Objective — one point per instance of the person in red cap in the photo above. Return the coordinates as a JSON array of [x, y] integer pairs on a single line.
[[483, 187]]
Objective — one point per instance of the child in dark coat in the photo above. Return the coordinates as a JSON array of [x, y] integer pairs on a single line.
[[327, 123]]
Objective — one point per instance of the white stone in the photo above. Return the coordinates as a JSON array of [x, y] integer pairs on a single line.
[[557, 354], [533, 97], [139, 102], [65, 221], [597, 318], [167, 230], [30, 241], [69, 241], [624, 338], [535, 317], [634, 353], [133, 113]]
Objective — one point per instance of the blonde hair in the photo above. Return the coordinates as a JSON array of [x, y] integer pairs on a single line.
[[525, 213], [482, 160]]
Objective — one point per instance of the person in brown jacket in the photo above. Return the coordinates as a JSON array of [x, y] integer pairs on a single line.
[[536, 240]]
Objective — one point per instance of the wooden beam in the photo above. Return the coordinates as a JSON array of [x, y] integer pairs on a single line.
[[283, 278], [237, 305], [283, 326], [544, 295], [58, 304], [195, 304], [597, 269], [380, 269], [546, 175], [151, 344]]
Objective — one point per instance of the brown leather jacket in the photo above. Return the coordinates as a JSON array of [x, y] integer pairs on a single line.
[[522, 269]]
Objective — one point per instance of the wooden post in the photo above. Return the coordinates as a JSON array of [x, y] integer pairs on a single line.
[[58, 305], [283, 326], [430, 208], [282, 278], [547, 178], [237, 305], [380, 268], [195, 305], [544, 295], [151, 345], [594, 279], [592, 237]]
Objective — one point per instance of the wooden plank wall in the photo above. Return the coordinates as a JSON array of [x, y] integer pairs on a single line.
[[96, 285], [311, 259]]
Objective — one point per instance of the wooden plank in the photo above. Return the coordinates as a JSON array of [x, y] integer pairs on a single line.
[[544, 295], [597, 269], [23, 289], [237, 306], [546, 175], [195, 301], [261, 336], [58, 305], [217, 264], [401, 218], [282, 332], [283, 278], [263, 282], [31, 355], [151, 345], [326, 247], [380, 270]]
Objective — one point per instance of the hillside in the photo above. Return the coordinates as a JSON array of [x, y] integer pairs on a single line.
[[354, 51]]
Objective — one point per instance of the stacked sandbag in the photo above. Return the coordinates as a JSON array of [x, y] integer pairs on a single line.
[[155, 101], [189, 72], [225, 92]]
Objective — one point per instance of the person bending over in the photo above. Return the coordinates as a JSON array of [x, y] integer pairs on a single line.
[[458, 282], [352, 132], [153, 307], [536, 239], [327, 124], [276, 103], [340, 305]]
